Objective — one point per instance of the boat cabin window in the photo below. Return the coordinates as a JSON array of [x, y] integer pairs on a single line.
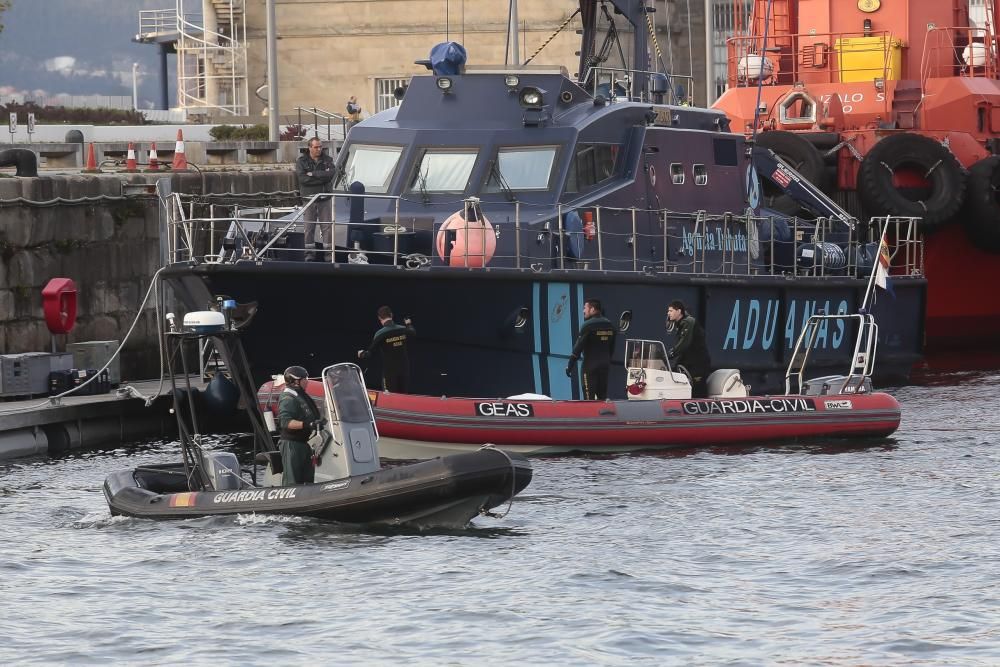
[[700, 174], [592, 164], [443, 171], [521, 168], [726, 152], [372, 165], [677, 173], [648, 354]]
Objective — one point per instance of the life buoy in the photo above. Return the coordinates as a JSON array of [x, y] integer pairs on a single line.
[[983, 200], [474, 242], [912, 175], [800, 154]]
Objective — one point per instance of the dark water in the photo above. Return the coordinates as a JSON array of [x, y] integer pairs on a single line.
[[879, 554]]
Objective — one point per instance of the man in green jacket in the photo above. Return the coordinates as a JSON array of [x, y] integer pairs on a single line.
[[690, 350], [596, 343], [297, 417], [391, 339]]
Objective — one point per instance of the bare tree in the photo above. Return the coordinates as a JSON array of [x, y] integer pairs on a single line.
[[4, 6]]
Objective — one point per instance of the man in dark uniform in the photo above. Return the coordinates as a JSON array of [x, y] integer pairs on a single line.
[[690, 350], [316, 170], [297, 416], [596, 342], [391, 340]]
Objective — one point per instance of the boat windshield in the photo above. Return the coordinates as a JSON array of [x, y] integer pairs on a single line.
[[522, 168], [350, 399], [646, 354], [372, 165], [443, 171]]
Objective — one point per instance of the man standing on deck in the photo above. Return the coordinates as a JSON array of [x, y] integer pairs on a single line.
[[316, 171], [596, 342], [690, 350], [391, 339], [297, 415]]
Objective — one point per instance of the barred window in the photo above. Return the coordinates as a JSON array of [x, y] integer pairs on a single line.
[[385, 93]]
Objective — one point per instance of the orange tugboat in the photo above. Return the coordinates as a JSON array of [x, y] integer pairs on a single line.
[[893, 108]]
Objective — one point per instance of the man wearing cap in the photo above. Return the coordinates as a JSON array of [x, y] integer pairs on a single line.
[[690, 350], [297, 415]]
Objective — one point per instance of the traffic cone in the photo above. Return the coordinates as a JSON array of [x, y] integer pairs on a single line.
[[154, 162], [91, 167], [180, 161], [130, 163]]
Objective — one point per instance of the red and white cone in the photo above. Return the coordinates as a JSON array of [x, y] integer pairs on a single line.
[[180, 161], [154, 162], [91, 167], [130, 162]]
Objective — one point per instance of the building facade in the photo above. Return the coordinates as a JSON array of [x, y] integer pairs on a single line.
[[330, 50]]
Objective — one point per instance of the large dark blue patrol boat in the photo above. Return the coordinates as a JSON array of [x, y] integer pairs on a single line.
[[492, 202]]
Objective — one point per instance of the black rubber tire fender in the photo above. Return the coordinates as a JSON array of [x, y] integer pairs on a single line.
[[982, 219], [800, 154], [944, 173]]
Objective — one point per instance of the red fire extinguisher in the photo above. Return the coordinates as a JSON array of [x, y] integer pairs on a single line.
[[588, 225]]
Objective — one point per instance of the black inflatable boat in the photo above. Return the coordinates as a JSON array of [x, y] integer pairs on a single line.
[[350, 484], [443, 492]]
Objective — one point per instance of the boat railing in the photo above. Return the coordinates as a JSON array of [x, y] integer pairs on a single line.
[[862, 363], [832, 57], [320, 116], [622, 83], [959, 51], [640, 240]]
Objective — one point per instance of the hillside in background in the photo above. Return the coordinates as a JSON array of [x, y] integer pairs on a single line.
[[79, 47]]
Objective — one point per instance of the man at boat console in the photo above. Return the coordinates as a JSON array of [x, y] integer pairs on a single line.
[[690, 350], [297, 417], [391, 340], [596, 342], [315, 171]]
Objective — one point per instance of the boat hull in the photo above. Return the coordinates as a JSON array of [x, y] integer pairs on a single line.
[[422, 426], [442, 493], [467, 342], [418, 427]]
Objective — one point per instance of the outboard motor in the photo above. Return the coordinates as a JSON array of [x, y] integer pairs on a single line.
[[348, 445], [222, 470]]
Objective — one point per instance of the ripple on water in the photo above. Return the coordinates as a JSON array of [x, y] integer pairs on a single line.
[[827, 553]]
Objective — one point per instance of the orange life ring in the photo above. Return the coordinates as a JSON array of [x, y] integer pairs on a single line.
[[475, 240]]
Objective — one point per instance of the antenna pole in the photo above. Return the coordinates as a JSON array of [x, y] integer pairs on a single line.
[[513, 48]]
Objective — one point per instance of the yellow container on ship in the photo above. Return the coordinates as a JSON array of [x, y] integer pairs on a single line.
[[868, 58]]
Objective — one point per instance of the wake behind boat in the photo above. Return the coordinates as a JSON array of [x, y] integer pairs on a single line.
[[659, 412], [350, 485]]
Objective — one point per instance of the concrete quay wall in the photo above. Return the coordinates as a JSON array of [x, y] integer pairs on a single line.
[[104, 232]]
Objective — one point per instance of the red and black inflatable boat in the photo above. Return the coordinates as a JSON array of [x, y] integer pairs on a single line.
[[658, 413], [416, 427]]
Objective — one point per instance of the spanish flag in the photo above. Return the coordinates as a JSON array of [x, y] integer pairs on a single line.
[[183, 499], [882, 266]]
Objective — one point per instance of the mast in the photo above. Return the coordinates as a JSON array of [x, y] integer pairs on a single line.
[[513, 49], [634, 12]]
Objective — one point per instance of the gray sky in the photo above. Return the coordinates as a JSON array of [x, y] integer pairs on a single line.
[[79, 47]]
